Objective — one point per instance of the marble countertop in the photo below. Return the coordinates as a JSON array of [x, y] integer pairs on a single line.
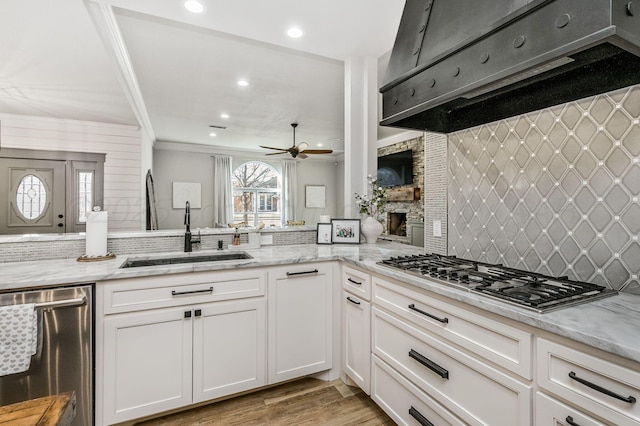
[[611, 324]]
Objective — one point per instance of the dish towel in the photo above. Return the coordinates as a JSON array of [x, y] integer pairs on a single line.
[[18, 337]]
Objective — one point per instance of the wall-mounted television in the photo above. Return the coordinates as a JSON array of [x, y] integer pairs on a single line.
[[395, 169]]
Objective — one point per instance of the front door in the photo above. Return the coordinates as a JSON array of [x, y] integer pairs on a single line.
[[32, 199]]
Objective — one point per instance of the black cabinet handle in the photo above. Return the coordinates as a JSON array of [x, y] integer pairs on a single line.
[[180, 293], [569, 420], [187, 314], [629, 399], [429, 364], [352, 301], [290, 274], [198, 312], [419, 417], [442, 320], [353, 281]]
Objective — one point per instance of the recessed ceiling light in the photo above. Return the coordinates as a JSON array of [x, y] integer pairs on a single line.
[[294, 32], [224, 115], [212, 134], [194, 6], [320, 144], [243, 83]]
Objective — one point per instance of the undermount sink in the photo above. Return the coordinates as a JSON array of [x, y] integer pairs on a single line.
[[136, 263]]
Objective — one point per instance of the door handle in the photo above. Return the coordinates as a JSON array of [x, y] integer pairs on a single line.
[[187, 314], [353, 281], [352, 301]]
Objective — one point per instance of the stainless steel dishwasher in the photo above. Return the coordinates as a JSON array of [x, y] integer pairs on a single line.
[[64, 358]]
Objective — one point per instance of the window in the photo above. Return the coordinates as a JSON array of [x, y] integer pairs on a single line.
[[256, 194], [31, 197]]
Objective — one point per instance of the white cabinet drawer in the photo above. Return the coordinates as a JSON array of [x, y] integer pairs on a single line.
[[403, 401], [585, 380], [356, 282], [504, 345], [550, 412], [181, 289], [471, 389]]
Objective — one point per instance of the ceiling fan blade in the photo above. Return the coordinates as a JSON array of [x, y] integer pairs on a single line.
[[318, 151], [277, 153], [270, 147], [302, 155]]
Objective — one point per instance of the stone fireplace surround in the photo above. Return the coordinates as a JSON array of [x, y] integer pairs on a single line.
[[412, 209]]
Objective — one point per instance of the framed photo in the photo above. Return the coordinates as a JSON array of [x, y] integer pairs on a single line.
[[345, 231], [315, 196], [324, 233]]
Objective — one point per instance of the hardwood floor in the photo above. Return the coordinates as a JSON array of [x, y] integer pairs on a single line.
[[302, 402]]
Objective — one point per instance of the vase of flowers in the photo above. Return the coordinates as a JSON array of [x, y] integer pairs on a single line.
[[371, 206]]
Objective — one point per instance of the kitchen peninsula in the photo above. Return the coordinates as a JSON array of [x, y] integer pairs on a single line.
[[619, 342]]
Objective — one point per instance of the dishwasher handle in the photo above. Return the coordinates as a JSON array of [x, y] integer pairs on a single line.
[[61, 303]]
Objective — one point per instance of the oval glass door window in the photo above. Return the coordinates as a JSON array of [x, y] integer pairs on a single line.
[[31, 197]]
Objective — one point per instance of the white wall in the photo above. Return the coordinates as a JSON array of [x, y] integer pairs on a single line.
[[182, 166], [123, 193]]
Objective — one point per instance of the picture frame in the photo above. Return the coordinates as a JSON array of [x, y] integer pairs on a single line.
[[315, 196], [324, 234], [345, 231]]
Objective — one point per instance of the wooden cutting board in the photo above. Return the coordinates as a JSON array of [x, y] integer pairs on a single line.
[[55, 410]]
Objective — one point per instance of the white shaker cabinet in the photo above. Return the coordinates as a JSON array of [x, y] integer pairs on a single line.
[[171, 341], [147, 362], [300, 320], [356, 337]]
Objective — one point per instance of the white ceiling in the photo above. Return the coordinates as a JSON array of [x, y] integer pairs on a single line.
[[53, 63]]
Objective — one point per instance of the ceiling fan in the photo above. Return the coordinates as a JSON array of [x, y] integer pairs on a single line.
[[297, 150]]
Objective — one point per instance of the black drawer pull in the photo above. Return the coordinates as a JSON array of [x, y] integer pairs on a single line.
[[442, 320], [187, 314], [352, 301], [290, 274], [419, 417], [353, 281], [429, 364], [569, 420], [197, 312], [629, 399], [180, 293]]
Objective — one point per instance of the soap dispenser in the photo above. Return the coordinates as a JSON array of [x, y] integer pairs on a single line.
[[236, 238]]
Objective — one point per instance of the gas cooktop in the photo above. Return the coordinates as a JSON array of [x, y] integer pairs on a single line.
[[530, 290]]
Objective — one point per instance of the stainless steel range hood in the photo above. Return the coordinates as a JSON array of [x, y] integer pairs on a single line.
[[460, 63]]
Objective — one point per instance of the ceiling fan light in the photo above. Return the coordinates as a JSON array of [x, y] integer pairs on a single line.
[[302, 146]]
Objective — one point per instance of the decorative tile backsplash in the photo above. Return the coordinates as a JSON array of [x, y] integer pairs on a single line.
[[554, 191]]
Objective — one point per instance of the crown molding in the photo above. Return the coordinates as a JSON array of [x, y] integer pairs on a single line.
[[107, 28]]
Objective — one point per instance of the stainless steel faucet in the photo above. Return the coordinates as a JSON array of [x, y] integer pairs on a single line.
[[188, 239]]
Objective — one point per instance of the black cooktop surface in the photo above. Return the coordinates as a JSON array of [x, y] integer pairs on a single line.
[[537, 292]]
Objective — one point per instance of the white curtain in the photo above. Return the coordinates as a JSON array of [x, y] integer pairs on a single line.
[[222, 192], [289, 188]]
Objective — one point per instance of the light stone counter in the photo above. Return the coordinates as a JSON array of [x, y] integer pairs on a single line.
[[611, 324]]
